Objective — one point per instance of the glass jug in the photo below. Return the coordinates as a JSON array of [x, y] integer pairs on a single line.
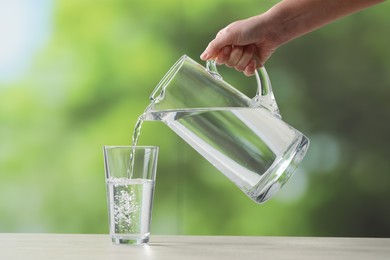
[[244, 138]]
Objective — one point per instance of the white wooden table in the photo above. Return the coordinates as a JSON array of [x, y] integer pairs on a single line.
[[75, 247]]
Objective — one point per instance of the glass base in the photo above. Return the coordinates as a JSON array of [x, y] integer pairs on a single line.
[[280, 173], [130, 241]]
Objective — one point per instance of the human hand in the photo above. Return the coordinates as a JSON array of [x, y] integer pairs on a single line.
[[247, 44], [244, 45]]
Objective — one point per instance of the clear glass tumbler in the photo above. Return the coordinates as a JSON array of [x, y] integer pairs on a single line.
[[130, 179]]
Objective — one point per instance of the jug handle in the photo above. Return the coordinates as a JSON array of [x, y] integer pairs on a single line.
[[264, 95]]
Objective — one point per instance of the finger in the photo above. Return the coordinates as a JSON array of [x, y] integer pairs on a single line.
[[260, 59], [223, 55], [212, 49], [246, 57], [235, 56], [250, 68], [222, 39]]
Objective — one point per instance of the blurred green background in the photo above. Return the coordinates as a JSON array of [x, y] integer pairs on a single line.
[[75, 75]]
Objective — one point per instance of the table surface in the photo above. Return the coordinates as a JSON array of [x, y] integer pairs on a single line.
[[69, 246]]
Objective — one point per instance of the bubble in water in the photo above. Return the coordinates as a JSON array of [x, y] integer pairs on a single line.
[[125, 208]]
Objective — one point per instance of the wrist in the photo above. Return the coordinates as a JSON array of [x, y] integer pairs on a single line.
[[279, 25]]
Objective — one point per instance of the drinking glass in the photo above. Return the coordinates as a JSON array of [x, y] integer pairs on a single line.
[[130, 180]]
